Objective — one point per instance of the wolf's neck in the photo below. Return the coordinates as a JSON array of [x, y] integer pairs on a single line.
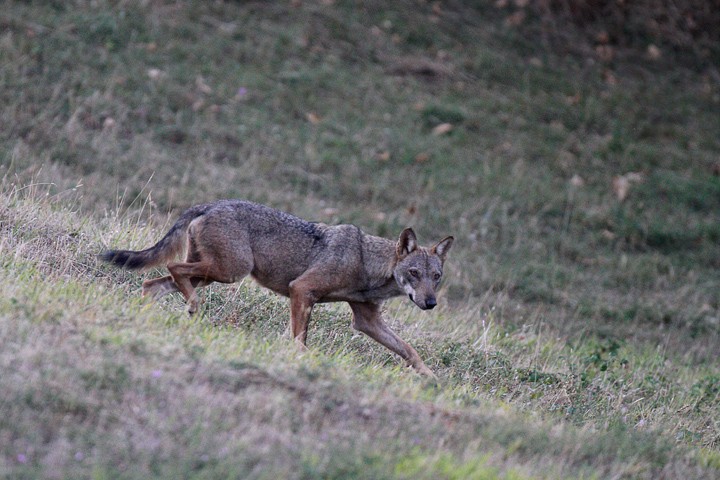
[[379, 261], [378, 257]]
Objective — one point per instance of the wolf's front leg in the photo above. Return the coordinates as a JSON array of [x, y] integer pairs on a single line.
[[301, 304], [367, 319]]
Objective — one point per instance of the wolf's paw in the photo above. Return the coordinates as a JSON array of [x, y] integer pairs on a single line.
[[192, 307], [425, 371], [300, 345]]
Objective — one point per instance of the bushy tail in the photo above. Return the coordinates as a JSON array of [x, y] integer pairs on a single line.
[[163, 251]]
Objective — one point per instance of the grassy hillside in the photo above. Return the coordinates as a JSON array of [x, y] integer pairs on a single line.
[[579, 323]]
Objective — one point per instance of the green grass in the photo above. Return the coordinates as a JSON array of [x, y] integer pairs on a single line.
[[577, 334], [98, 383]]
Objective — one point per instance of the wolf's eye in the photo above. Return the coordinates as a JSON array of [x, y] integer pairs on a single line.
[[415, 273], [436, 276]]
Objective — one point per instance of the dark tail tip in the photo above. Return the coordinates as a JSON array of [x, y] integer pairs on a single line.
[[122, 258]]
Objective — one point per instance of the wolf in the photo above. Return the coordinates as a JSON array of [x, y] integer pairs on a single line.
[[306, 261]]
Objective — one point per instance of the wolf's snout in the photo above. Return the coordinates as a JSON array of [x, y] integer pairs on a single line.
[[430, 303]]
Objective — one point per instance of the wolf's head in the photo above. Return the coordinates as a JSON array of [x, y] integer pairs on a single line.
[[418, 270]]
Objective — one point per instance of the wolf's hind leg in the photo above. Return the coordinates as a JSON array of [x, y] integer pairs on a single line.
[[158, 287], [188, 275]]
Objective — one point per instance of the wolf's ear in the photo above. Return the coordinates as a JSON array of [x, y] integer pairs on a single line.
[[442, 247], [407, 243]]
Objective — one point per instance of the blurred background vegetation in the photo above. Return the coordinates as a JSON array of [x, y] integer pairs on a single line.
[[572, 148]]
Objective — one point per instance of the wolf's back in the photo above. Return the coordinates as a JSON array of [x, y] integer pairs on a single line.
[[160, 253]]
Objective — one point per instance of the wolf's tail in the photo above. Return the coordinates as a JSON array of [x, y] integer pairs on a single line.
[[163, 251]]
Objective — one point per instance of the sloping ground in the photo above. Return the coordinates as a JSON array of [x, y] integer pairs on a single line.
[[96, 384], [578, 328]]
